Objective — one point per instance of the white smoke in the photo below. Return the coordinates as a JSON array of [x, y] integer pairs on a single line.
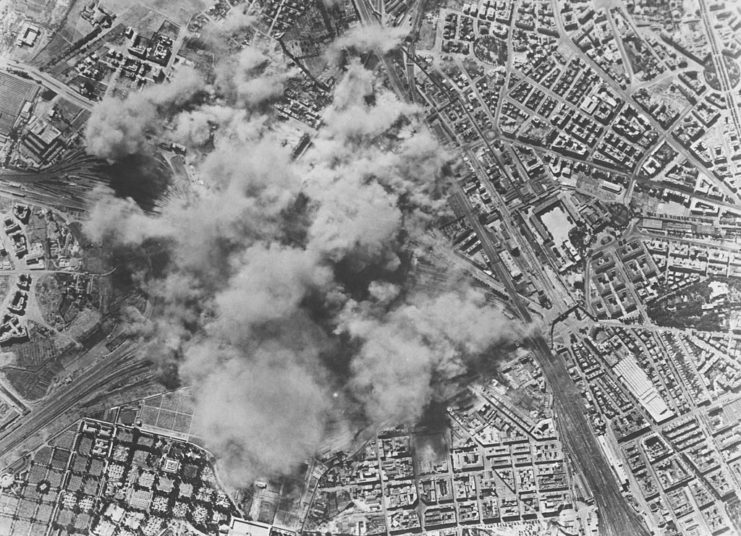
[[282, 272]]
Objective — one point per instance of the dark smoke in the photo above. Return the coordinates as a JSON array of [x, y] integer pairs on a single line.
[[142, 177], [284, 297]]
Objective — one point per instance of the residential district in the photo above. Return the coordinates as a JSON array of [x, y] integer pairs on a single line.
[[599, 196]]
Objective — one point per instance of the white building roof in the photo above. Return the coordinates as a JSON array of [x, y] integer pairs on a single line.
[[242, 527]]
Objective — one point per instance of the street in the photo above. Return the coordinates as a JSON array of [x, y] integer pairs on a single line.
[[116, 367]]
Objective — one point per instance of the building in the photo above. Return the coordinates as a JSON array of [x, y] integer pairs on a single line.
[[27, 35], [14, 94], [140, 499], [241, 527]]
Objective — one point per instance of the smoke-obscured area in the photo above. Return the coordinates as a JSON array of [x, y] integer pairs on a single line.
[[282, 289], [142, 177]]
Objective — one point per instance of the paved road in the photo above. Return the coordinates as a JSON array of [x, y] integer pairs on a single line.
[[119, 365], [616, 516], [719, 59], [48, 81]]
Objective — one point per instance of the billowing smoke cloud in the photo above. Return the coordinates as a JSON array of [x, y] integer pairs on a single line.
[[252, 77], [429, 338], [358, 111], [238, 19], [117, 128], [220, 36], [260, 413], [372, 38], [287, 286]]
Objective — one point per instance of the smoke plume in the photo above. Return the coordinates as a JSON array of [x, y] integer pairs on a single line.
[[362, 39], [287, 286], [251, 77], [117, 128]]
